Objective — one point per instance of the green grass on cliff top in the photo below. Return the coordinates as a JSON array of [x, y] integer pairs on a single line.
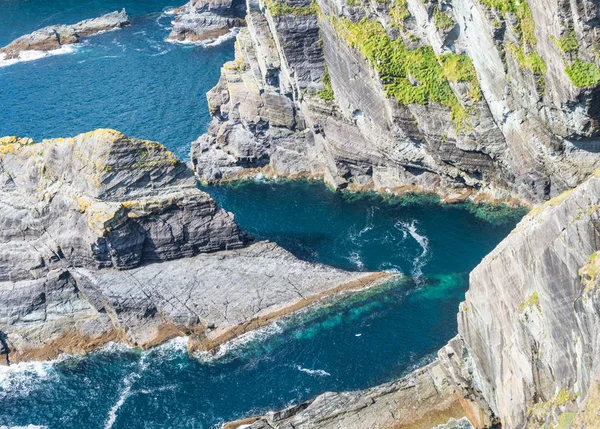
[[397, 65]]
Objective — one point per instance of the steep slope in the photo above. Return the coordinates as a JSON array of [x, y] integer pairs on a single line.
[[458, 98]]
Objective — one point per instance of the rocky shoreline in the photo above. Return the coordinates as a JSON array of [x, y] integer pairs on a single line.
[[107, 238], [206, 20], [55, 37]]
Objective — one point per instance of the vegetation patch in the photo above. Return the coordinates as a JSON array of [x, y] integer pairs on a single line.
[[590, 273], [399, 13], [532, 301], [442, 21], [567, 44], [326, 94], [411, 76], [525, 28], [279, 8], [459, 68], [583, 74], [564, 420]]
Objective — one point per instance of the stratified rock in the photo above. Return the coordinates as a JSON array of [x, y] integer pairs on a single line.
[[423, 399], [205, 20], [528, 129], [531, 318], [107, 238], [56, 36]]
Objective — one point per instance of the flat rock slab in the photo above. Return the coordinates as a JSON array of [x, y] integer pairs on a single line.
[[227, 292]]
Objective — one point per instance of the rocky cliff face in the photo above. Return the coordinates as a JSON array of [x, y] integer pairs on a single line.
[[462, 97], [56, 36], [530, 321], [106, 238]]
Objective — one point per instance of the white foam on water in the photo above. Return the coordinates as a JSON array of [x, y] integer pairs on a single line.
[[317, 372], [26, 56], [421, 259], [369, 222], [126, 392], [209, 42], [356, 260], [462, 423], [239, 342], [23, 378]]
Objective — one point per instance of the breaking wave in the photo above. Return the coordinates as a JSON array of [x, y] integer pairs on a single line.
[[420, 261], [26, 56], [317, 372]]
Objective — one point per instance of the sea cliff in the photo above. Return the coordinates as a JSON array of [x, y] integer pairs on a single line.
[[461, 98]]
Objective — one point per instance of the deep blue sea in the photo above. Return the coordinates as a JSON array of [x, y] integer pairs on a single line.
[[134, 81]]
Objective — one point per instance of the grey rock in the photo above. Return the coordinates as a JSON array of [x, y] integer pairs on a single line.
[[522, 142], [56, 36], [107, 238], [206, 20]]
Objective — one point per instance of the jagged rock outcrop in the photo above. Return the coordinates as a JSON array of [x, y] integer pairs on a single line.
[[205, 20], [459, 98], [107, 238], [528, 349], [56, 36]]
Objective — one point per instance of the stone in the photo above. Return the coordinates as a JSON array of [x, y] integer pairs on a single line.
[[56, 36], [521, 142], [206, 20]]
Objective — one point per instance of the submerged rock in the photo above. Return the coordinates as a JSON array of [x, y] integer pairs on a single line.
[[57, 36], [107, 238]]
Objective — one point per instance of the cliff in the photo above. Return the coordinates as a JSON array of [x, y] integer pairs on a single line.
[[527, 352], [107, 238], [57, 36], [460, 98]]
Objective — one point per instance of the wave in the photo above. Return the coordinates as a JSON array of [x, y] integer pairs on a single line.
[[369, 222], [420, 261], [126, 391], [317, 372], [238, 343], [356, 260], [27, 56], [209, 42], [24, 378]]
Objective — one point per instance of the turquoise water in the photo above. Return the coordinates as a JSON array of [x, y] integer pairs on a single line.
[[134, 81]]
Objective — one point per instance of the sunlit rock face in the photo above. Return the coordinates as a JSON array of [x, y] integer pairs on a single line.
[[461, 99]]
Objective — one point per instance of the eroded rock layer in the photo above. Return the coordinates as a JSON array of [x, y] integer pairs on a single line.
[[107, 238], [459, 98]]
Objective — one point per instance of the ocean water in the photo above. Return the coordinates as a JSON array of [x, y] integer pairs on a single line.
[[134, 81], [131, 80]]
